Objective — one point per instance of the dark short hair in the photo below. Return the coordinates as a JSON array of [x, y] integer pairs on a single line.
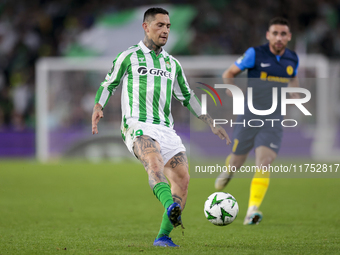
[[151, 13], [279, 21]]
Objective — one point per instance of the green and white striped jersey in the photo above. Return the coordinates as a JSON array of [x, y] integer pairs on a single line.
[[149, 82]]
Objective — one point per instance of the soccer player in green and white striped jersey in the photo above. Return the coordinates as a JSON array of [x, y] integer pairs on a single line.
[[149, 78]]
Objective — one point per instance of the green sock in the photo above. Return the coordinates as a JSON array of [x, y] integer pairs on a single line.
[[163, 192], [166, 226]]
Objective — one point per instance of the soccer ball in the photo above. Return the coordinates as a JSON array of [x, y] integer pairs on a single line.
[[221, 208]]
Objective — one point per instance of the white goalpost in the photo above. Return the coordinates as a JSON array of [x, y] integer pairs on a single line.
[[55, 75], [43, 68]]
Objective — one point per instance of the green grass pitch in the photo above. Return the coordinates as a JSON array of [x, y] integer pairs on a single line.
[[108, 208]]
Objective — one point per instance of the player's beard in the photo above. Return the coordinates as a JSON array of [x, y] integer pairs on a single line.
[[278, 48]]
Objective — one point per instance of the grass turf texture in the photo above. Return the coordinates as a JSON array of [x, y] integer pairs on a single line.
[[78, 208]]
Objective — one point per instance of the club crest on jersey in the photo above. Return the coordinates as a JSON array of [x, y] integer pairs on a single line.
[[142, 70], [290, 70], [167, 64]]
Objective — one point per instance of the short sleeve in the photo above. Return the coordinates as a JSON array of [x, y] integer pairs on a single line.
[[296, 68], [247, 60]]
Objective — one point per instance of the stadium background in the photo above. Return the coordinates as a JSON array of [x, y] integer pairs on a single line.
[[40, 29], [93, 206]]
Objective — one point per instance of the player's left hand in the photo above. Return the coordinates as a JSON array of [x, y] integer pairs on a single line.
[[218, 130]]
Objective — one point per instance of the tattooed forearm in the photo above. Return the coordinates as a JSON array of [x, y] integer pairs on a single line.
[[151, 45], [179, 159], [177, 199], [206, 119], [97, 108]]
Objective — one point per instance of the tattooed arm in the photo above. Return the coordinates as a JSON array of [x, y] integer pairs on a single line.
[[217, 129]]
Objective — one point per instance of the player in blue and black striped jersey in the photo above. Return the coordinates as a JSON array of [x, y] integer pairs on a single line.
[[269, 65]]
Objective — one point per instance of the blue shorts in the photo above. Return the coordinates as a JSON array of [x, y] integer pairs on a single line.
[[246, 138]]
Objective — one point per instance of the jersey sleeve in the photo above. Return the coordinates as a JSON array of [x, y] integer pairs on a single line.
[[247, 60], [112, 79], [296, 68], [184, 94]]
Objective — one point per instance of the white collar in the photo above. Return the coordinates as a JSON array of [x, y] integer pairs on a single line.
[[143, 47], [147, 50]]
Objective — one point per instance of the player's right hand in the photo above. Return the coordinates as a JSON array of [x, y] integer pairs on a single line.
[[221, 133], [96, 116]]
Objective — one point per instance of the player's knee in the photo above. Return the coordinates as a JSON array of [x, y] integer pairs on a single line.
[[265, 161], [154, 163], [235, 163]]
